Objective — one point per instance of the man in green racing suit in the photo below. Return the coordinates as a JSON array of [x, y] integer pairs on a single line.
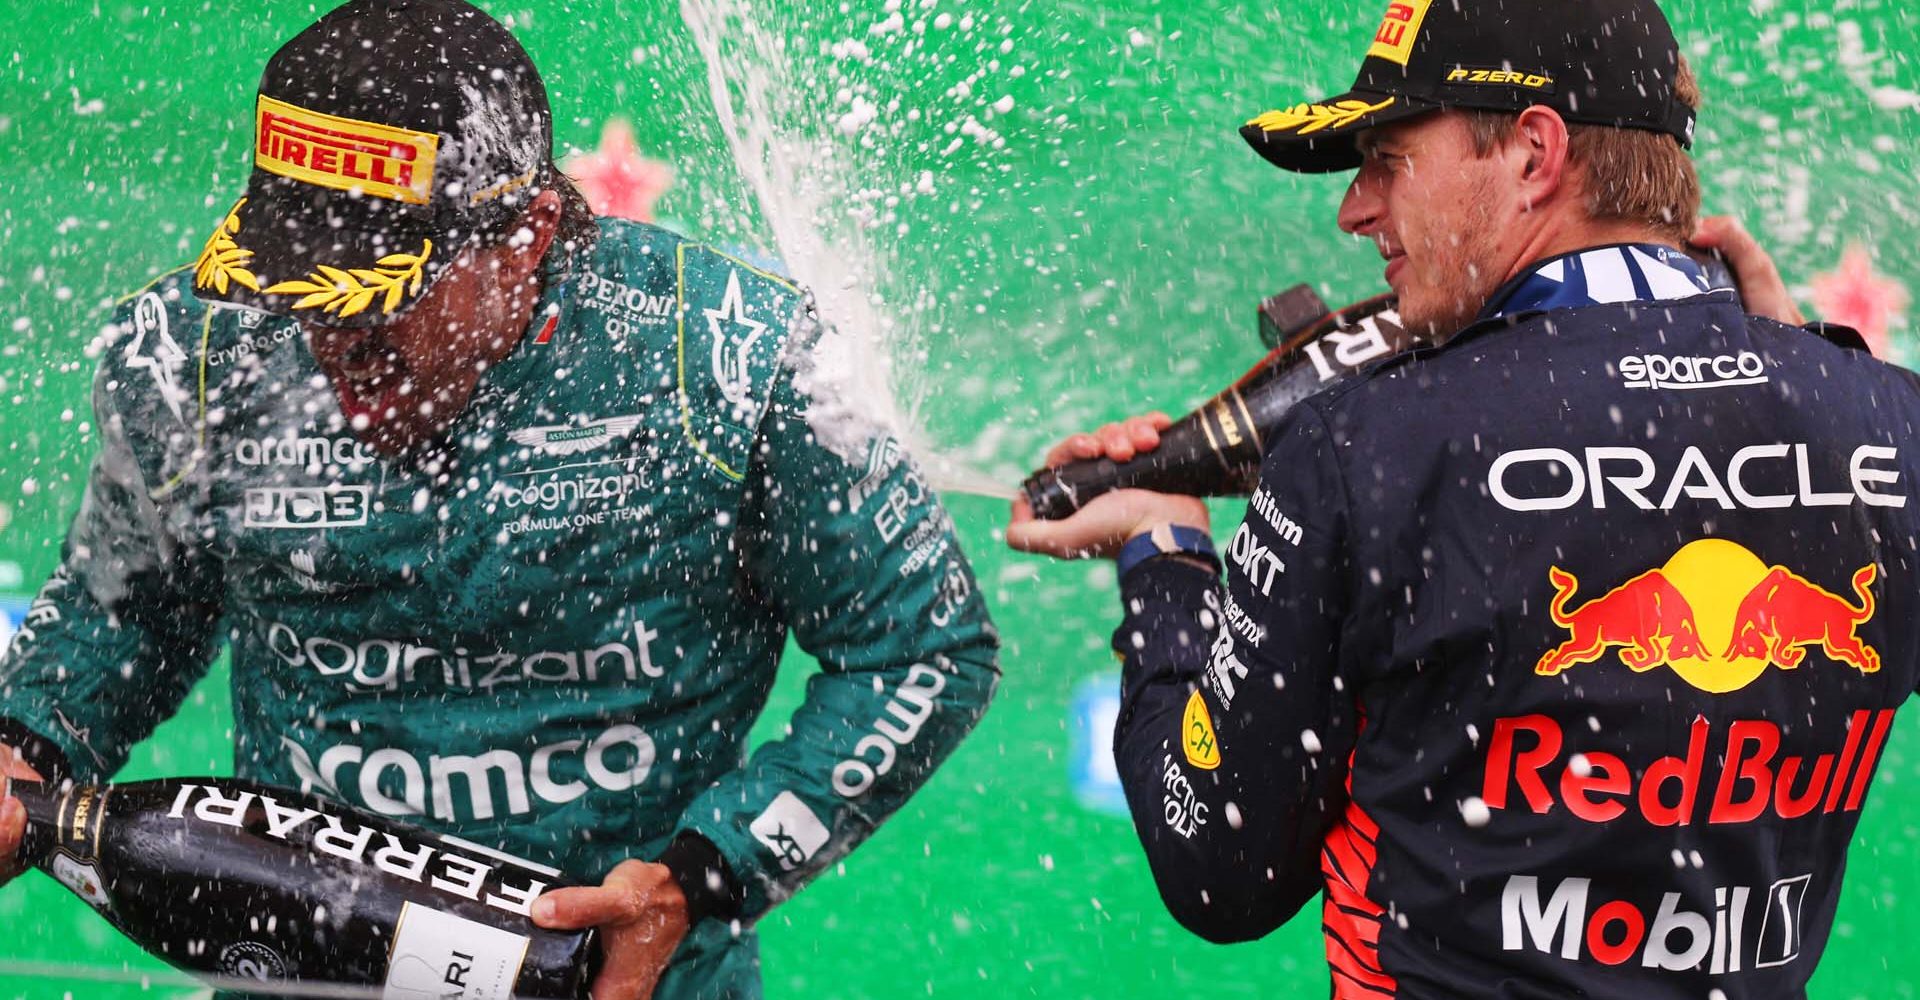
[[504, 523]]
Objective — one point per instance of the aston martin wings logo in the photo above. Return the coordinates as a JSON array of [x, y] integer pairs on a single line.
[[572, 439]]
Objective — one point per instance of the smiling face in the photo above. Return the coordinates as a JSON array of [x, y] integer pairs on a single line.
[[404, 382], [1442, 217]]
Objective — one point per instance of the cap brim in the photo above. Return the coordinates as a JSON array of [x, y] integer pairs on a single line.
[[349, 262], [1319, 138]]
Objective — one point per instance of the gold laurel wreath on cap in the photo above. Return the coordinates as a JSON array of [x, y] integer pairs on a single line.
[[222, 262], [347, 292], [1304, 119]]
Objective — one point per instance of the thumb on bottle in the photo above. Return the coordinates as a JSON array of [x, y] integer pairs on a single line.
[[580, 906]]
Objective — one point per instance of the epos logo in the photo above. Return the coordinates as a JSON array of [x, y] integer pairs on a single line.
[[1658, 371], [307, 506]]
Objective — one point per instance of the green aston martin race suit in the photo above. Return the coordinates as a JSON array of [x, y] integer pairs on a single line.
[[553, 634]]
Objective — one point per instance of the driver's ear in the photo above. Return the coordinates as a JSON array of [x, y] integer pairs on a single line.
[[542, 220], [1540, 143]]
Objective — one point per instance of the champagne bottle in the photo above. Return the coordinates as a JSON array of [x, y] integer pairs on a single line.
[[237, 882], [1216, 450]]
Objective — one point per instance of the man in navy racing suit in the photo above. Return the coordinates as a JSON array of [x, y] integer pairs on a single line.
[[505, 514], [1558, 659]]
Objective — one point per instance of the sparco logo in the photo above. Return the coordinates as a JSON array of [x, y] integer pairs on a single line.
[[1657, 371], [334, 837], [617, 760], [1746, 929], [302, 452], [383, 664], [308, 506]]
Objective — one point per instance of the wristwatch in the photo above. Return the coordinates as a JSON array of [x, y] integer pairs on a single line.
[[1167, 540]]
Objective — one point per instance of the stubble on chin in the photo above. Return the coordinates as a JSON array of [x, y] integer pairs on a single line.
[[1470, 277]]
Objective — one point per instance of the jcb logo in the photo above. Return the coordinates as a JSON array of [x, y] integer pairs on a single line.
[[308, 506]]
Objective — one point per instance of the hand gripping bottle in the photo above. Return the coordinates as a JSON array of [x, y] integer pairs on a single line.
[[1216, 450], [236, 882]]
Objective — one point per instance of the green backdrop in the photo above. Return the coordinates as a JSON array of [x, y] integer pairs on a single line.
[[1064, 229]]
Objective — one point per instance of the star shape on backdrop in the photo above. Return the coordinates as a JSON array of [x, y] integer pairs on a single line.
[[1854, 294], [616, 179]]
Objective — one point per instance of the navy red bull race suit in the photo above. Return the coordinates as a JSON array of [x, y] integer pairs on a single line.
[[1559, 658]]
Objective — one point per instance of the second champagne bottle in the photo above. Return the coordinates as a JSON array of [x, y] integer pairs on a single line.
[[1216, 450]]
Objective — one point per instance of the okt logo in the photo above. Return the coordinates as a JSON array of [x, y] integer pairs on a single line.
[[1255, 559], [1733, 938], [308, 506]]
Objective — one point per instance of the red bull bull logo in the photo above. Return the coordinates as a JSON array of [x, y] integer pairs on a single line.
[[1787, 613], [1717, 615]]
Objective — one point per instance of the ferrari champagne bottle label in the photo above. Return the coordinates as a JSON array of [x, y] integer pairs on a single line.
[[438, 954]]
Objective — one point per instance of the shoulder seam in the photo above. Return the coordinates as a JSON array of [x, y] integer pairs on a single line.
[[149, 286], [785, 283]]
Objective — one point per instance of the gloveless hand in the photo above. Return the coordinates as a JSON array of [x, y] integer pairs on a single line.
[[1761, 287], [1100, 528], [642, 917], [13, 815]]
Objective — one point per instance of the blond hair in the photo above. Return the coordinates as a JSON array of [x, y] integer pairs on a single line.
[[1629, 174]]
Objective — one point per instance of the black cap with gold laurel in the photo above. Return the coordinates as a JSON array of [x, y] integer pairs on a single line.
[[386, 135], [1606, 62]]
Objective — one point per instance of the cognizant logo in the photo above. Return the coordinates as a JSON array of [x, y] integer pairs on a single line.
[[557, 492], [386, 664]]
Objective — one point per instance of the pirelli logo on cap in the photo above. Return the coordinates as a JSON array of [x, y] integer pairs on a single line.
[[381, 160], [1393, 41]]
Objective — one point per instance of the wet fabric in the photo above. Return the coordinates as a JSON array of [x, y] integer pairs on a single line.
[[1624, 272], [550, 635], [1557, 660]]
